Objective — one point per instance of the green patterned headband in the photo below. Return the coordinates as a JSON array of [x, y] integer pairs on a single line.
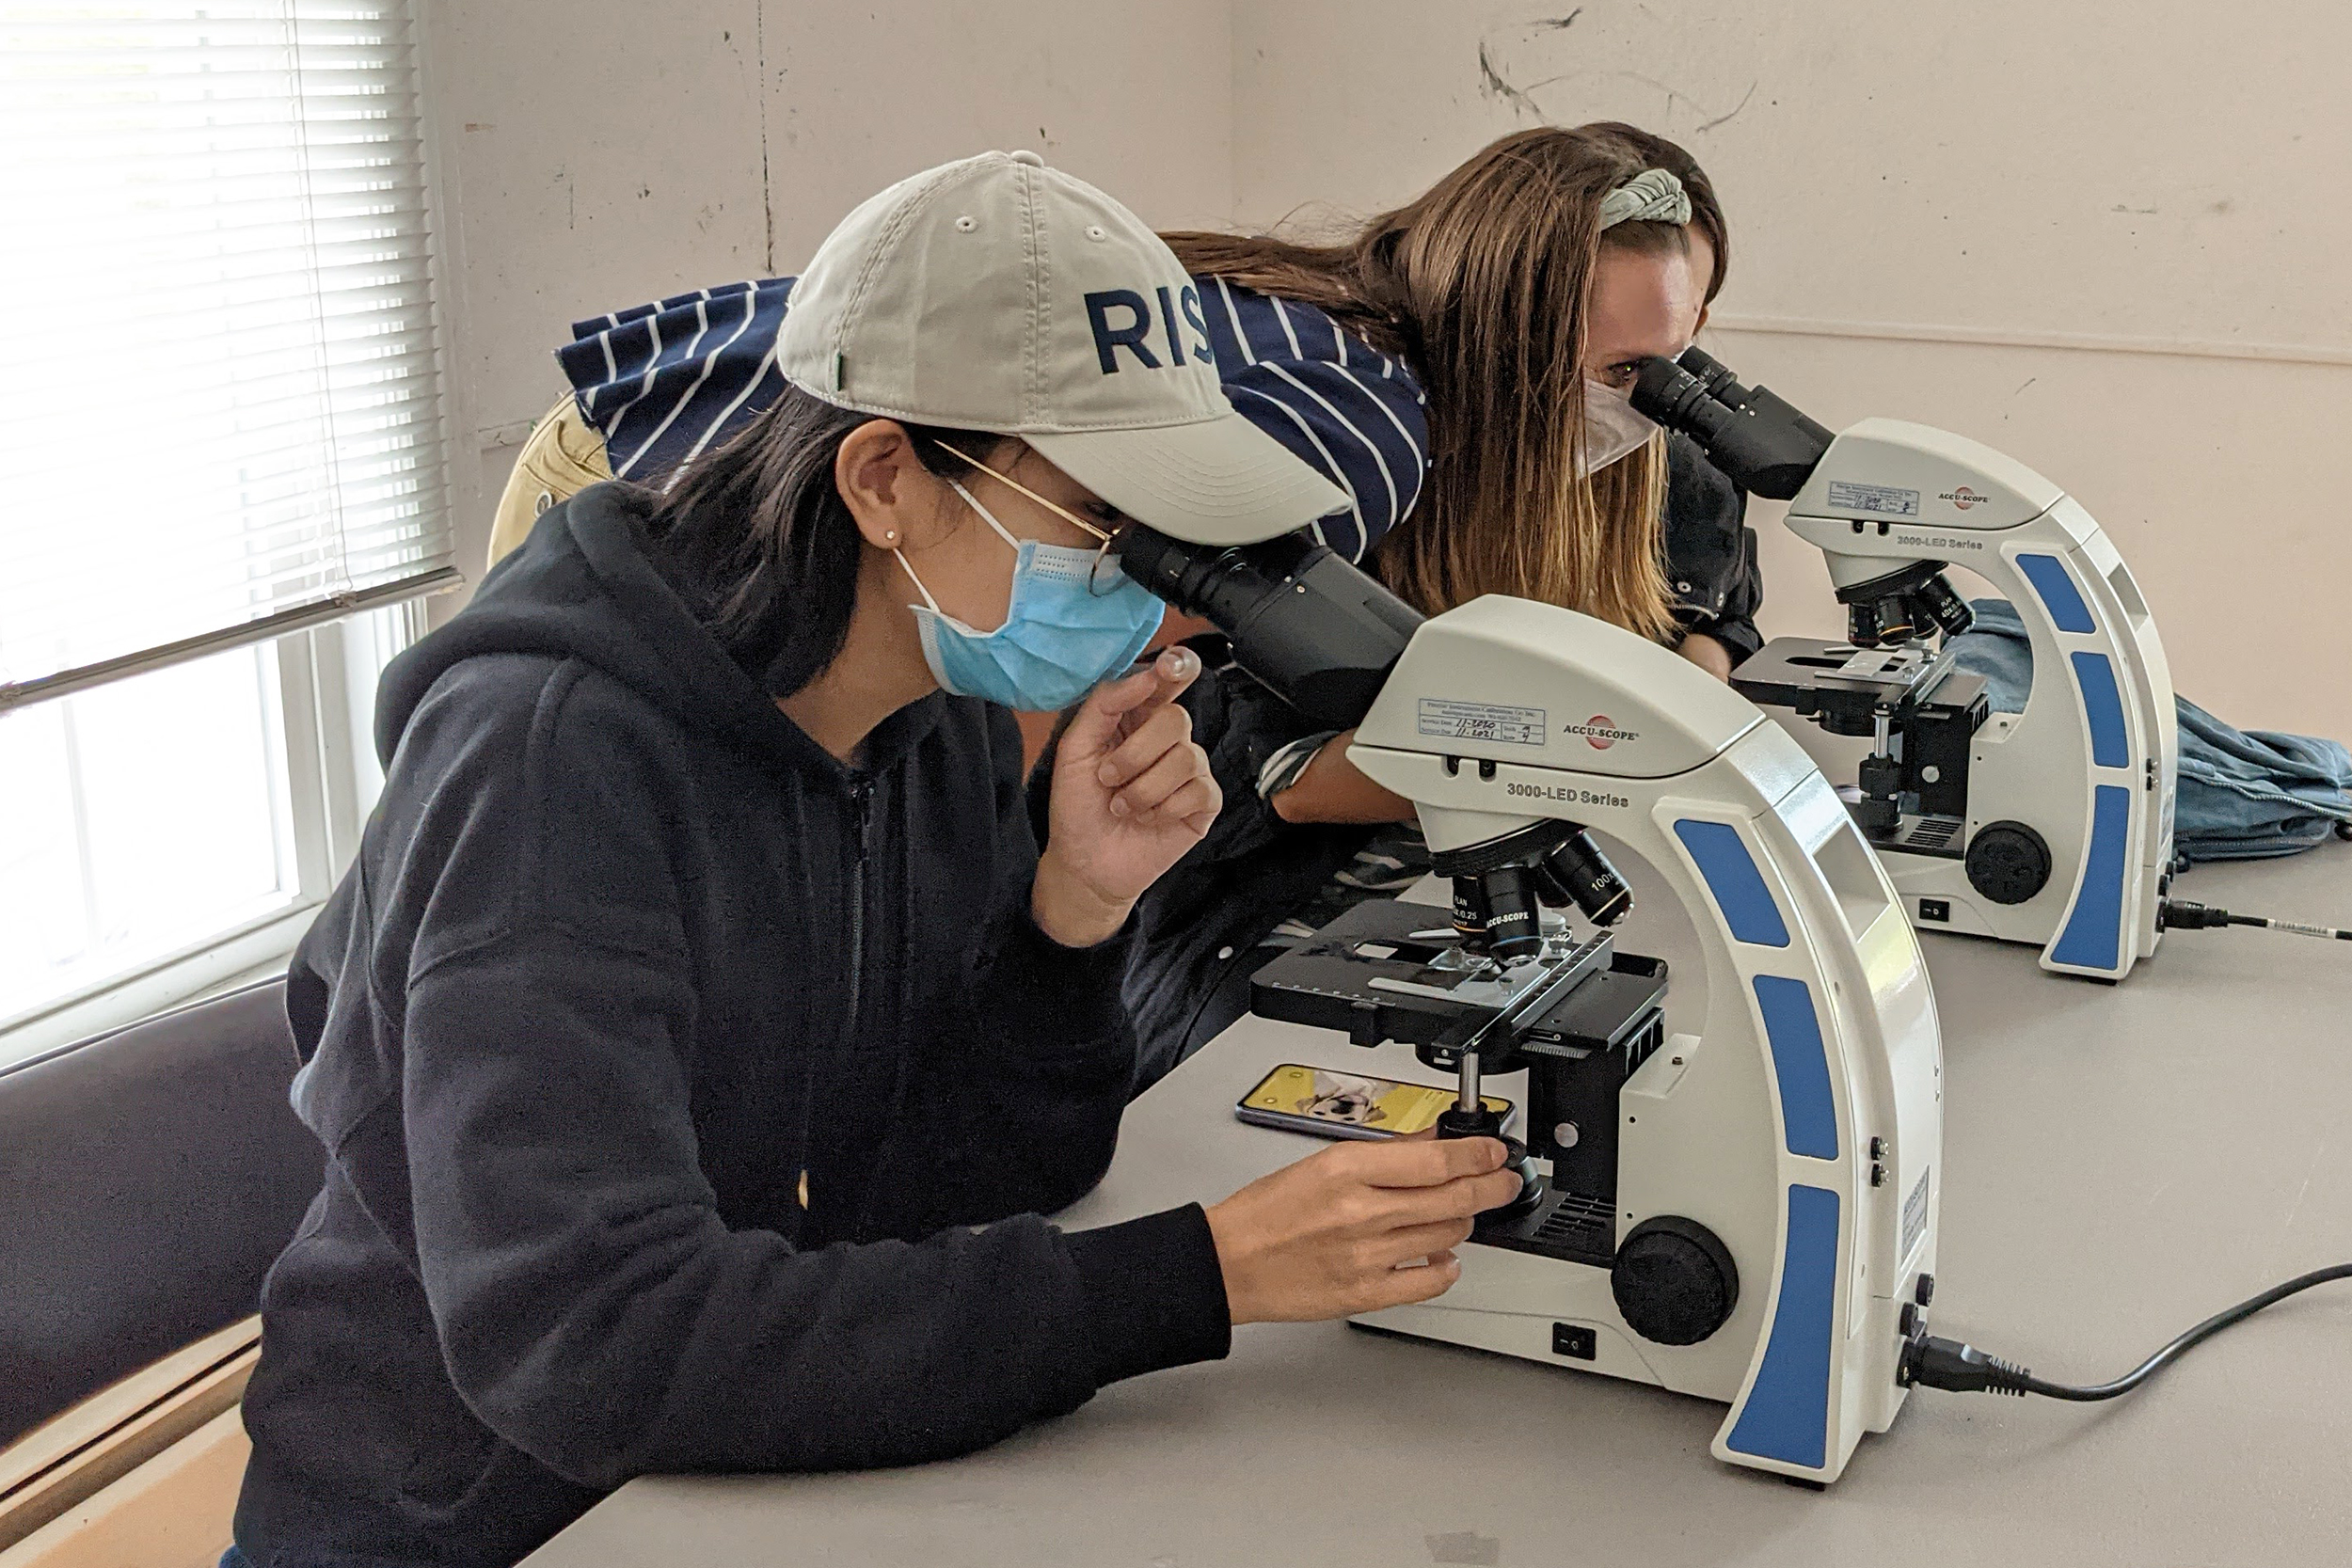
[[1653, 196]]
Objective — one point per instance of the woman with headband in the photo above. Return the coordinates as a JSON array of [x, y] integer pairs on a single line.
[[1521, 294], [1460, 367]]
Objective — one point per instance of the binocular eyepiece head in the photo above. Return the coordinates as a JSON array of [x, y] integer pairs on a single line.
[[1765, 445], [1307, 622]]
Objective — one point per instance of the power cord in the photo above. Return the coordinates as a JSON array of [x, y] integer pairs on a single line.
[[2182, 914], [1929, 1362]]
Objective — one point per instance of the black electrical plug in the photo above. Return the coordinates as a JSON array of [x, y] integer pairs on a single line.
[[1930, 1362]]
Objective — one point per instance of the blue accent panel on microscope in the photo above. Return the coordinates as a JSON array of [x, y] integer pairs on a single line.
[[1733, 878], [2103, 706], [2059, 596], [2094, 933], [1787, 1416], [1808, 1112]]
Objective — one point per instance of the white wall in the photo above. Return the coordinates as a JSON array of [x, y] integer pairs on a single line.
[[596, 155], [2111, 241]]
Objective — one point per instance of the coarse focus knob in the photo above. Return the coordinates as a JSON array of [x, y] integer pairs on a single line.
[[1673, 1280], [2007, 861]]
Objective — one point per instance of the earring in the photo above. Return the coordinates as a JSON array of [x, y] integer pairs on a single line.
[[890, 536]]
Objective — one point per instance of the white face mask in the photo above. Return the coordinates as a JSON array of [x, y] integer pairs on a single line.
[[1613, 427]]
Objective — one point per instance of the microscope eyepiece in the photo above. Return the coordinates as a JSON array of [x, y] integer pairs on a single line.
[[1301, 618], [1669, 393], [1762, 442], [1714, 376]]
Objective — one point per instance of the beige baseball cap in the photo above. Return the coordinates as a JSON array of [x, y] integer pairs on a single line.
[[995, 294]]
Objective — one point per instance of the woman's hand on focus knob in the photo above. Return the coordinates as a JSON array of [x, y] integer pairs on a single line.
[[1325, 1238]]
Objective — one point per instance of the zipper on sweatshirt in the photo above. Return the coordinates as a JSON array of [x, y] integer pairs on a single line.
[[862, 799]]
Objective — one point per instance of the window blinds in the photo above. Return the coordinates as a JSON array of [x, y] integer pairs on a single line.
[[219, 410]]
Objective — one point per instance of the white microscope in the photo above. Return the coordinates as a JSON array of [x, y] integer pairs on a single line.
[[2050, 827], [1747, 1214]]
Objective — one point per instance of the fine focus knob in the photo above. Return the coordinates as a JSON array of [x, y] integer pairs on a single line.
[[1484, 1122], [2007, 861], [1674, 1281]]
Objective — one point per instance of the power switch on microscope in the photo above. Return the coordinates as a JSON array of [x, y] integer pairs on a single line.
[[1935, 909], [1574, 1341]]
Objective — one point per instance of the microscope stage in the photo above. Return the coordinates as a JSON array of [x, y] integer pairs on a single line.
[[1393, 970]]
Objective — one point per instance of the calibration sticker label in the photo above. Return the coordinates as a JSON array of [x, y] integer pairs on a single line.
[[1915, 1213], [1443, 718], [1880, 501]]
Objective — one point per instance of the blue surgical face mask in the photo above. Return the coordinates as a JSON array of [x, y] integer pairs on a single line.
[[1069, 625]]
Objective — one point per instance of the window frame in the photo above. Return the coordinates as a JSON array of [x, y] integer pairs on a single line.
[[327, 672], [325, 720]]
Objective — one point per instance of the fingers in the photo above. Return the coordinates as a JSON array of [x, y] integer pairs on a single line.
[[1105, 714], [1322, 1238], [1411, 1183], [1155, 685], [1424, 1162], [1162, 784], [1403, 1286], [1176, 669], [1406, 1243], [1199, 822], [1195, 805], [1162, 731], [1459, 1199]]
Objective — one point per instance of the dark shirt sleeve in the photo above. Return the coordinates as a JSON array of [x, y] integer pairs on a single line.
[[1353, 414], [665, 381], [593, 1307], [1711, 552]]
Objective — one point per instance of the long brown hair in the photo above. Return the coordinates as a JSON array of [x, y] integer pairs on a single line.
[[1481, 283]]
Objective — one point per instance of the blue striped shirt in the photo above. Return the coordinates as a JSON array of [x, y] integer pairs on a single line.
[[665, 382]]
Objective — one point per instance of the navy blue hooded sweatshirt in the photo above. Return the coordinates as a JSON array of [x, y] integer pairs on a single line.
[[664, 1066]]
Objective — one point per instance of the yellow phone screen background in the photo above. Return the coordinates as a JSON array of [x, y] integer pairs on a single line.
[[1349, 1100]]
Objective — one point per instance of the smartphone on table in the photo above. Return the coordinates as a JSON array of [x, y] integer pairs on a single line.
[[1328, 1104]]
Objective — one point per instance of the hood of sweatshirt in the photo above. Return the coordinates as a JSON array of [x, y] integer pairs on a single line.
[[585, 586]]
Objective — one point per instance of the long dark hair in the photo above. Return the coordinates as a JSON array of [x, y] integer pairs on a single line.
[[758, 539], [1481, 284]]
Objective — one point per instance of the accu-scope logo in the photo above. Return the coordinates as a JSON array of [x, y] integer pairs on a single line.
[[1600, 732]]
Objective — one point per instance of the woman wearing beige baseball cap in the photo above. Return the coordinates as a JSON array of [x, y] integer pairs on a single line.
[[1458, 366], [700, 1031]]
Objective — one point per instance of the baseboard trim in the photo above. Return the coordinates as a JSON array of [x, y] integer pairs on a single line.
[[174, 1510], [78, 1453]]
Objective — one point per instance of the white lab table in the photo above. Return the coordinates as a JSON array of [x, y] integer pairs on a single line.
[[2119, 1162]]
